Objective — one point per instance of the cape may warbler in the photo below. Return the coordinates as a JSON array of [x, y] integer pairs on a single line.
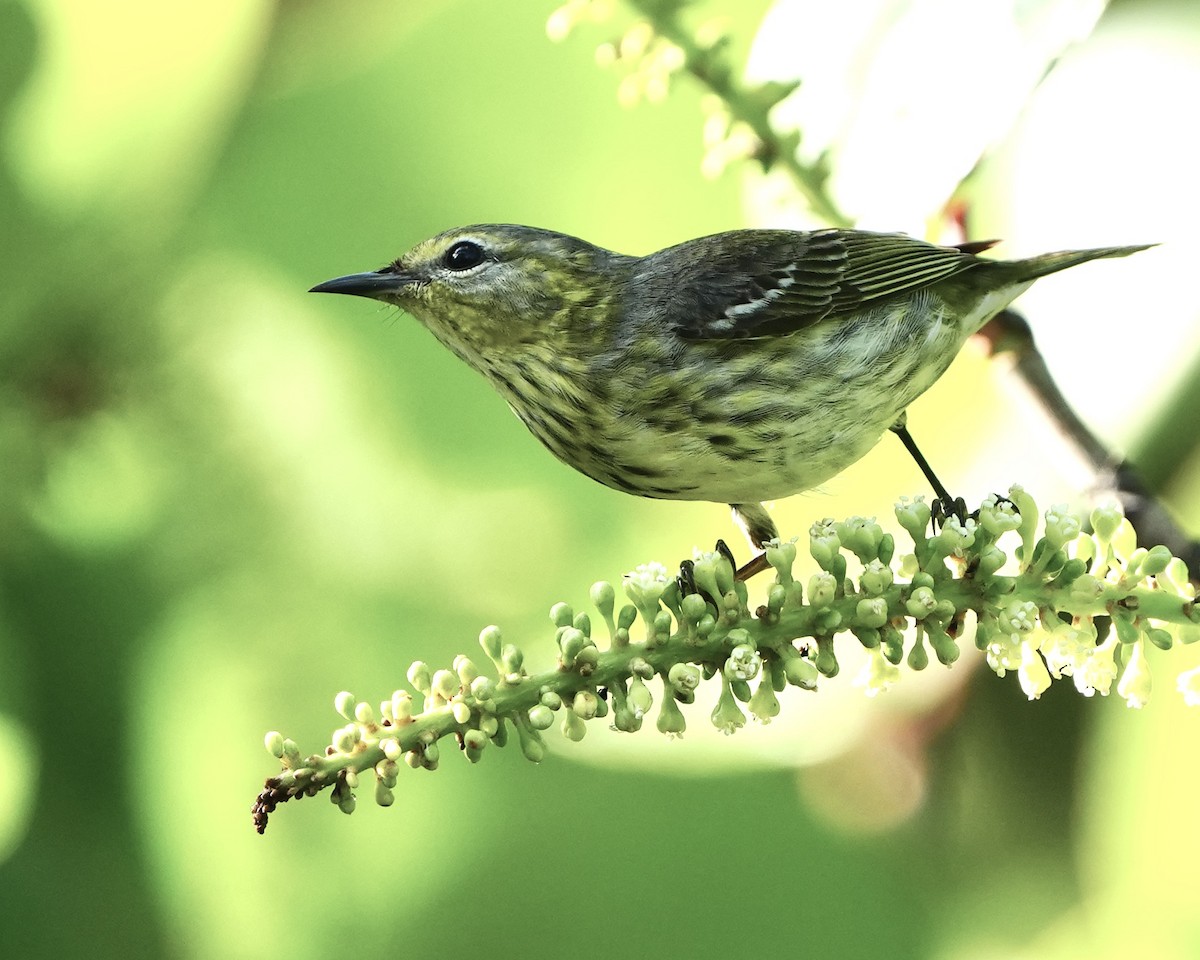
[[740, 367]]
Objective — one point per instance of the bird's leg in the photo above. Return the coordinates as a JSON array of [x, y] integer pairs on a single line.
[[945, 505], [758, 527]]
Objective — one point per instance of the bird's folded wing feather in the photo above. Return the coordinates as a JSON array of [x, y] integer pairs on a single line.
[[763, 283]]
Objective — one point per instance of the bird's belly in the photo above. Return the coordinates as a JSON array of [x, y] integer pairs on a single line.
[[746, 421]]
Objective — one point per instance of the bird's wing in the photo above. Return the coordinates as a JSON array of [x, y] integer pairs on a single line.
[[763, 283]]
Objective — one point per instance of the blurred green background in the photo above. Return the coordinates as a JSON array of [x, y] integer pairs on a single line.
[[223, 500]]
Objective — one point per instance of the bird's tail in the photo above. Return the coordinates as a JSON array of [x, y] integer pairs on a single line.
[[1039, 266]]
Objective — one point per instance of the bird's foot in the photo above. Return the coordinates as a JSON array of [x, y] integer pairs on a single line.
[[942, 508], [686, 579]]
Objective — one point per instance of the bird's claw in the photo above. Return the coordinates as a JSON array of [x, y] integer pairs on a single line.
[[686, 580], [943, 508]]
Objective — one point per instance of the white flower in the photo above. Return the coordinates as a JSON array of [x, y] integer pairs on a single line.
[[877, 674], [1134, 685], [1188, 683]]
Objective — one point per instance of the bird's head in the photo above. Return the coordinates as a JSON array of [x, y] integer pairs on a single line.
[[490, 288]]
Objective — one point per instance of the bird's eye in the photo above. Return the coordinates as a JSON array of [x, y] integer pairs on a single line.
[[463, 255]]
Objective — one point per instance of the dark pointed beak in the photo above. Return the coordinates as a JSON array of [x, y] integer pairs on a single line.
[[374, 285]]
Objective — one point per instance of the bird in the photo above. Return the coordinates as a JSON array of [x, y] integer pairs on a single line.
[[739, 368]]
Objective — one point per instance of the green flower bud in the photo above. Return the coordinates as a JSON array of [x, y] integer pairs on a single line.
[[570, 642], [822, 590], [540, 717], [684, 677], [489, 725], [344, 704], [670, 717], [483, 688], [801, 672], [273, 741], [384, 796], [1086, 588], [1028, 512], [921, 603], [639, 698], [887, 549], [862, 536], [943, 646], [433, 754], [781, 555], [838, 568], [662, 625], [345, 738], [764, 705], [466, 670], [391, 748], [549, 698], [561, 615], [827, 622], [918, 657], [626, 617], [1156, 561], [475, 739], [1127, 631], [585, 704], [693, 607], [706, 626], [914, 517], [363, 713], [875, 579], [991, 559], [738, 636], [386, 772], [586, 660], [823, 543], [1105, 522], [445, 684], [891, 642], [583, 623], [776, 598], [871, 612], [490, 641], [725, 571], [726, 716], [290, 750], [704, 572], [460, 711], [1160, 638], [418, 676], [512, 661], [869, 637], [573, 728], [603, 597]]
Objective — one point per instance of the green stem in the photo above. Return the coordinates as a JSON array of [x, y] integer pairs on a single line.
[[748, 106]]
